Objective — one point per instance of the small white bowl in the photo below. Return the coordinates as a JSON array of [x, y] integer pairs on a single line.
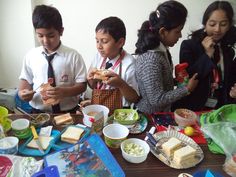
[[135, 158], [9, 145]]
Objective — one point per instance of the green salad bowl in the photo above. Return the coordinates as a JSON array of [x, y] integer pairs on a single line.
[[126, 116]]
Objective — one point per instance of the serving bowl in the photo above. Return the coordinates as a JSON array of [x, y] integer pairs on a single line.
[[135, 150], [185, 117], [126, 116]]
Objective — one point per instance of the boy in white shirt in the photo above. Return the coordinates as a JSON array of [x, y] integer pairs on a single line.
[[69, 69], [120, 89]]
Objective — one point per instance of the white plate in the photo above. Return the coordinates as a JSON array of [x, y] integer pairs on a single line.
[[163, 136]]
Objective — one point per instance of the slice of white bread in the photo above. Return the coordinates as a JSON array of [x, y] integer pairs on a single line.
[[170, 146], [62, 119], [186, 153], [72, 134], [44, 140]]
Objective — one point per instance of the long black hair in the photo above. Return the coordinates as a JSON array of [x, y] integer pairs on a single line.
[[169, 15], [230, 36]]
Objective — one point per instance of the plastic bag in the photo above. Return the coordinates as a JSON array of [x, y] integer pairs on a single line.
[[226, 113], [15, 166], [224, 134]]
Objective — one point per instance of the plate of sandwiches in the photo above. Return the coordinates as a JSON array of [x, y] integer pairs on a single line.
[[176, 149]]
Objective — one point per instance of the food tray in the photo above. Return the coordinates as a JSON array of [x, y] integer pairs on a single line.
[[23, 149], [58, 144], [163, 136]]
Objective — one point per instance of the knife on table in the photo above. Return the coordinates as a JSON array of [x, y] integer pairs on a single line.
[[36, 139], [154, 145]]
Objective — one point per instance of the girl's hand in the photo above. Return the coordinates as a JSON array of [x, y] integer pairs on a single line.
[[208, 45], [232, 92], [192, 83]]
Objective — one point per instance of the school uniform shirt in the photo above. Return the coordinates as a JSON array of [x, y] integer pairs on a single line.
[[155, 81], [69, 69], [192, 52], [127, 71]]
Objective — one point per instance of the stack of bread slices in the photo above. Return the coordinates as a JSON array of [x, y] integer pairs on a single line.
[[181, 154]]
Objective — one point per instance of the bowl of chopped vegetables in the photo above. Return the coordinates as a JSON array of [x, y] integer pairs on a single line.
[[135, 150], [126, 116]]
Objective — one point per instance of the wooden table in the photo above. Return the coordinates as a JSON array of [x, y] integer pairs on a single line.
[[152, 166]]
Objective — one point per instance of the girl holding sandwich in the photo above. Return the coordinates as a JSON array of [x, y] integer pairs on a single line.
[[154, 67], [114, 87]]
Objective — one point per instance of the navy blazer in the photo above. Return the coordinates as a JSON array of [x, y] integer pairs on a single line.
[[192, 52]]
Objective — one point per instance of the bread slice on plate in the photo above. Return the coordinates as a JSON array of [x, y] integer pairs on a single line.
[[184, 154], [63, 119], [44, 140], [170, 146], [72, 134]]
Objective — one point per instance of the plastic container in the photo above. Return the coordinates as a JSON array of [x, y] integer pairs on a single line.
[[9, 145], [126, 116], [51, 171], [91, 110], [114, 134], [135, 158], [185, 117]]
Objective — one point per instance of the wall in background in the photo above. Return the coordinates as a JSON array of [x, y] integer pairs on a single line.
[[80, 19]]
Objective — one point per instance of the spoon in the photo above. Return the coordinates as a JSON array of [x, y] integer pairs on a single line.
[[22, 111]]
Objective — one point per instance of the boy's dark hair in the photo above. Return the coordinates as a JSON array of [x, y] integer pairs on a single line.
[[46, 17], [113, 26], [169, 15]]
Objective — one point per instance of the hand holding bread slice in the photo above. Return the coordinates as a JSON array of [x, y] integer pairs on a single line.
[[100, 74], [47, 100]]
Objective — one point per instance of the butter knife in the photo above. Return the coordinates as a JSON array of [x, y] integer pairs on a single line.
[[158, 153], [36, 139]]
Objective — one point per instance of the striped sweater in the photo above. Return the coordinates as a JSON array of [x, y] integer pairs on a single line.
[[154, 75]]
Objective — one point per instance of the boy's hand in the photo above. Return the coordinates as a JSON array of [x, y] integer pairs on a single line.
[[113, 79], [26, 94], [91, 73]]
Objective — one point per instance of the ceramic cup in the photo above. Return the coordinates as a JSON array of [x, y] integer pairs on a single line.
[[91, 110], [20, 128], [9, 145], [114, 134]]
